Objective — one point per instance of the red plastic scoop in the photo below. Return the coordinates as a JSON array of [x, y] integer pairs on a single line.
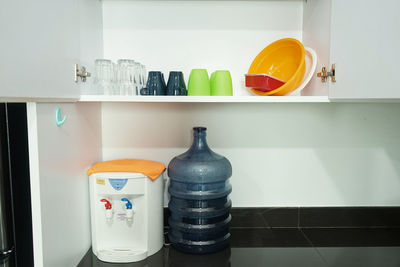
[[263, 82]]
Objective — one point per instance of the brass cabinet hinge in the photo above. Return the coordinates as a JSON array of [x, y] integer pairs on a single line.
[[81, 73], [325, 74]]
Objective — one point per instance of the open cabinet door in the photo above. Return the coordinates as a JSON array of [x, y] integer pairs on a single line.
[[59, 157], [91, 38], [365, 42], [41, 41], [316, 35], [39, 47]]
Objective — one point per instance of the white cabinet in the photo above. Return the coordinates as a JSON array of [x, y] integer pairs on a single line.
[[38, 49], [42, 40], [365, 42]]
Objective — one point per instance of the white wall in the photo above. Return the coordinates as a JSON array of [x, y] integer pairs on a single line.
[[282, 154], [182, 35]]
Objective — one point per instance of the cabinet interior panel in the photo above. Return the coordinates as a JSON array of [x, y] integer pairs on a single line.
[[177, 35]]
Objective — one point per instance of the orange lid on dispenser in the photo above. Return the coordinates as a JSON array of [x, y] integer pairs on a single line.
[[151, 169]]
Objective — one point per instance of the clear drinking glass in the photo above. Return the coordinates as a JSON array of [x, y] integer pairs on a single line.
[[115, 88], [126, 77], [143, 75], [138, 78], [103, 80]]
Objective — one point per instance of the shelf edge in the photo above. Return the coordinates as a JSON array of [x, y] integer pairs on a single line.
[[205, 99]]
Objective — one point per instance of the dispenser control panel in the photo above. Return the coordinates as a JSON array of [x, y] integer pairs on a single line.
[[118, 184]]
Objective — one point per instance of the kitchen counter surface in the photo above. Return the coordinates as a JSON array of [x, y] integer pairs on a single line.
[[262, 257], [254, 244], [229, 257]]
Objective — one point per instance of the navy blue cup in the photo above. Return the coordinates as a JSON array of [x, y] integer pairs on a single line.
[[176, 84], [155, 84]]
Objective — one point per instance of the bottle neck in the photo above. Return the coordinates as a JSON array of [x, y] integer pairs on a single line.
[[199, 141]]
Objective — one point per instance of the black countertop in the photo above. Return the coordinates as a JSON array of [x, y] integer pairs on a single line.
[[253, 257], [263, 257], [257, 241]]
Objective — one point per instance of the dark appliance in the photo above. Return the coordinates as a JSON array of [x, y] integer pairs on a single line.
[[16, 243]]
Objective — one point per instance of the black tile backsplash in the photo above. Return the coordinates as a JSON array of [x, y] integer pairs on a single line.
[[314, 217], [350, 217], [281, 217], [353, 237], [268, 237], [167, 213], [248, 217]]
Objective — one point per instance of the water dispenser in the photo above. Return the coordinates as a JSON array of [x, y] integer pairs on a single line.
[[127, 216]]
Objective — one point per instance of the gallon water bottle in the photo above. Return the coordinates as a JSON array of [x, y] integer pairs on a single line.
[[199, 203]]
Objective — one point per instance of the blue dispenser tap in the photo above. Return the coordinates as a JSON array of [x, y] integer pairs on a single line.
[[128, 203]]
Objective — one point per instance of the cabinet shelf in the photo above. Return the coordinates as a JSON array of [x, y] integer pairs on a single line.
[[206, 99]]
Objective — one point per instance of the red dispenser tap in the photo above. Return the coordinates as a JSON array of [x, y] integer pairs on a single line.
[[107, 205]]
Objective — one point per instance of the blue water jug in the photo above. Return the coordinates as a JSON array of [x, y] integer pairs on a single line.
[[199, 202]]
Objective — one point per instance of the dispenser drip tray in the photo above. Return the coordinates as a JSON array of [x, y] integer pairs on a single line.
[[121, 255]]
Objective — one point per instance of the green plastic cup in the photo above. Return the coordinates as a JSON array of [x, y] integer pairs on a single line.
[[212, 81], [199, 83], [221, 83]]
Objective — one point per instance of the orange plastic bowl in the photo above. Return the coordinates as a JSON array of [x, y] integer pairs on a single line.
[[283, 59]]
